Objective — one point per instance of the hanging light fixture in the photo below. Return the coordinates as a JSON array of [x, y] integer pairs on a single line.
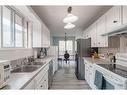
[[69, 26], [70, 18], [65, 38]]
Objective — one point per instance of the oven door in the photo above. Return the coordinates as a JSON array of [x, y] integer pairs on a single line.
[[111, 83]]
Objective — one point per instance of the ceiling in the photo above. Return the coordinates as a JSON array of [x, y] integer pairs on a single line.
[[53, 16]]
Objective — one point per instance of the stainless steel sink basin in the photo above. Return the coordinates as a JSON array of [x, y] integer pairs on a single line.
[[26, 68]]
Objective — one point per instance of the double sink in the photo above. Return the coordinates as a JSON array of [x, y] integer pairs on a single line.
[[28, 68]]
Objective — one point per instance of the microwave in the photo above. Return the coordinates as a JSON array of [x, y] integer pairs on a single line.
[[4, 72]]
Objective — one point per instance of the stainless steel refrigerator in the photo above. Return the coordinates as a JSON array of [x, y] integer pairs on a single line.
[[83, 50]]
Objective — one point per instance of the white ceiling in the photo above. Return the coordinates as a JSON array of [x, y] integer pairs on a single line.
[[53, 16]]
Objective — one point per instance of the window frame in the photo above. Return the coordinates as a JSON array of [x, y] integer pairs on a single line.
[[2, 45], [13, 13], [15, 30]]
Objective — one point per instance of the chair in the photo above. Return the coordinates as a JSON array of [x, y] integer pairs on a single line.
[[66, 57], [60, 59]]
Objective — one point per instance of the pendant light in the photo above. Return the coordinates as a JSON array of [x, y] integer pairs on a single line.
[[69, 26], [70, 18]]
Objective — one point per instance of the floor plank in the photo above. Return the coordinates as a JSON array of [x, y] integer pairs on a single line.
[[65, 78]]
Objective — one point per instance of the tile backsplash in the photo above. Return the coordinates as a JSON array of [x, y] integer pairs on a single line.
[[108, 50]]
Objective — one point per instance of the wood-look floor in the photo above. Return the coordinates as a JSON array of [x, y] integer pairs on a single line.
[[65, 78]]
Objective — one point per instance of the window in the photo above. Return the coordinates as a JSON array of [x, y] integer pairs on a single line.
[[0, 25], [18, 31], [25, 34], [7, 31], [15, 30], [61, 47], [29, 25], [68, 46]]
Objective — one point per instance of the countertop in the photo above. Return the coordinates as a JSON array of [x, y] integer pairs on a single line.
[[96, 60], [20, 80]]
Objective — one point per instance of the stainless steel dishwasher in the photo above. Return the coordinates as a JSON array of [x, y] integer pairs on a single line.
[[50, 74]]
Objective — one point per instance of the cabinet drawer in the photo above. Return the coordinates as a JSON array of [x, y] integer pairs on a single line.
[[41, 74], [43, 84]]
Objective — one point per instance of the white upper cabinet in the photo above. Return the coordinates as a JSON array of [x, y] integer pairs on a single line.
[[37, 34], [102, 41], [105, 24], [86, 33], [113, 18], [45, 36], [124, 8], [93, 31]]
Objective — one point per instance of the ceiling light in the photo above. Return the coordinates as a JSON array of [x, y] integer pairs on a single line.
[[70, 18], [69, 26]]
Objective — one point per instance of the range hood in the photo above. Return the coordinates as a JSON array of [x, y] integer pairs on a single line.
[[121, 30]]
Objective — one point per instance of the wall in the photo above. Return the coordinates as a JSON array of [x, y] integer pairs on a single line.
[[14, 54]]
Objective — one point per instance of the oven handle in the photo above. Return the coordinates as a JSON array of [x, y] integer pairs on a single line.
[[114, 81]]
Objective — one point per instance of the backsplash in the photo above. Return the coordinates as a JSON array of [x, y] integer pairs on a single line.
[[17, 62], [122, 48], [108, 50], [14, 54]]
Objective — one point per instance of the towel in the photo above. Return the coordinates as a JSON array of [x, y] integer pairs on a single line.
[[107, 85], [98, 81]]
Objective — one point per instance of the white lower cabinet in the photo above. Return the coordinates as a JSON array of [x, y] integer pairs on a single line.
[[40, 81], [43, 84], [90, 74]]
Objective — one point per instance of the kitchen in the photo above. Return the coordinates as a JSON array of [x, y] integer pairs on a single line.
[[32, 39]]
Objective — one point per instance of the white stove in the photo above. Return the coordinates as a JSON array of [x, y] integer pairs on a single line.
[[115, 74]]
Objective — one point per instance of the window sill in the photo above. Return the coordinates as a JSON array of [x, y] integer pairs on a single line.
[[15, 49]]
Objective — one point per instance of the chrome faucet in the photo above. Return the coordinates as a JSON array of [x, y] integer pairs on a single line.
[[24, 62]]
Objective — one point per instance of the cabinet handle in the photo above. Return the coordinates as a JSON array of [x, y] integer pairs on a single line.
[[44, 80], [114, 21], [41, 86]]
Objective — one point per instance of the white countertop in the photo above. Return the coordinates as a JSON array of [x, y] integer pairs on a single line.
[[20, 80], [96, 60]]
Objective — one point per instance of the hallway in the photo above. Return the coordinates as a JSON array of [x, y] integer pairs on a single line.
[[65, 78]]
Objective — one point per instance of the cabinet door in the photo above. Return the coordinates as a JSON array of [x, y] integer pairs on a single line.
[[93, 35], [87, 73], [87, 33], [124, 8], [113, 18], [37, 34], [43, 83], [46, 37], [101, 29], [31, 85]]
